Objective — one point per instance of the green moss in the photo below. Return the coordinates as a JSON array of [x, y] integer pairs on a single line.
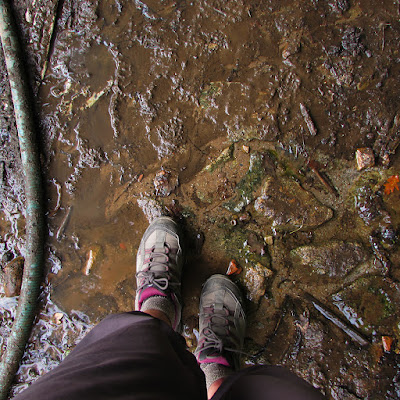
[[383, 297], [234, 242], [225, 156], [243, 133], [246, 187]]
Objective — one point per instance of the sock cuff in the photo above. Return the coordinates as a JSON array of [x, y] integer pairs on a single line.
[[214, 371], [160, 303]]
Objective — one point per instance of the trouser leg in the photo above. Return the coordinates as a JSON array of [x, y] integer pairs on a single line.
[[126, 356], [266, 382]]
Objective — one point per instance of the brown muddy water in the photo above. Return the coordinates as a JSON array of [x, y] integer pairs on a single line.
[[242, 120]]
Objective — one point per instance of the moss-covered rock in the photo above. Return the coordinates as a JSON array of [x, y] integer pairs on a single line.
[[287, 206], [246, 188], [369, 304]]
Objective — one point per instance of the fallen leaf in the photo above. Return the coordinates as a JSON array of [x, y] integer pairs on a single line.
[[387, 342], [233, 268], [391, 184]]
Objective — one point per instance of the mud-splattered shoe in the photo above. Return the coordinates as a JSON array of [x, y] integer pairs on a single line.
[[222, 323], [158, 270]]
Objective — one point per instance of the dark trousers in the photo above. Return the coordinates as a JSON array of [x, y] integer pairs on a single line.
[[135, 356]]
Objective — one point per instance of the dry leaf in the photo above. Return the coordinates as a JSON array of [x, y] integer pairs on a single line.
[[391, 184], [233, 268]]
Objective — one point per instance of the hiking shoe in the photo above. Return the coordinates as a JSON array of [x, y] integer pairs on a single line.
[[159, 268], [222, 323]]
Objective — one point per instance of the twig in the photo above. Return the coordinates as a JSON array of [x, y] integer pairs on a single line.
[[296, 230], [313, 165], [219, 11], [384, 26], [51, 39], [337, 321], [57, 207], [64, 223], [308, 120]]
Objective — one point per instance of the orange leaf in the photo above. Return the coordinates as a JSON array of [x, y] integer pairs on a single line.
[[391, 184], [233, 268], [387, 342]]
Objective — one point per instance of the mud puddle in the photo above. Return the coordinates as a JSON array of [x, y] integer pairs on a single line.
[[241, 120]]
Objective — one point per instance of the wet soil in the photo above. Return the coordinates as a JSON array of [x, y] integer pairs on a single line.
[[242, 120]]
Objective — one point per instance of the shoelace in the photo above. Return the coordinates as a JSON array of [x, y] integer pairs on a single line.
[[158, 278], [218, 321]]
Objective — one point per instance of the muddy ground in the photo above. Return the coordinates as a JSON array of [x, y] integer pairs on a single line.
[[242, 120]]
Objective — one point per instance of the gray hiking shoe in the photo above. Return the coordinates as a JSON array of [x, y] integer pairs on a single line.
[[222, 323], [159, 266]]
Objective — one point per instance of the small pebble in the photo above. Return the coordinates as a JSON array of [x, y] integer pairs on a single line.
[[269, 240], [57, 318], [365, 158], [12, 277]]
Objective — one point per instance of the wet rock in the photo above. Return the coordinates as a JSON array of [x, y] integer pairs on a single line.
[[170, 138], [165, 182], [290, 46], [370, 208], [342, 393], [342, 71], [334, 259], [339, 6], [365, 158], [255, 244], [368, 204], [351, 44], [267, 130], [12, 277], [287, 206], [380, 253], [150, 207], [341, 61], [383, 236], [370, 305], [249, 183], [388, 139], [255, 281], [314, 336]]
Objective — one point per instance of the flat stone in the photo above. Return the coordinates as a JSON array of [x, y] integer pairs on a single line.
[[287, 206], [334, 259], [150, 207]]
